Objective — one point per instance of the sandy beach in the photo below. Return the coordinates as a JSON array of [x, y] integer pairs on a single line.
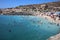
[[49, 18]]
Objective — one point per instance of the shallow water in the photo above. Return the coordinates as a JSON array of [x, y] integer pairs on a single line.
[[26, 28]]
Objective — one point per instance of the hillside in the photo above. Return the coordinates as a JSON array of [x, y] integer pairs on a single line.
[[34, 8], [54, 4]]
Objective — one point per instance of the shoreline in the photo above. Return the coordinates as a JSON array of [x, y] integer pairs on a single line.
[[42, 16], [49, 19], [55, 37]]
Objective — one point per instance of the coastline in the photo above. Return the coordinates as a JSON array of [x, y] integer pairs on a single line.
[[38, 15], [57, 36], [49, 19], [36, 21]]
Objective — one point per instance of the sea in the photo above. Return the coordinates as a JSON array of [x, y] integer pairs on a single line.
[[20, 27]]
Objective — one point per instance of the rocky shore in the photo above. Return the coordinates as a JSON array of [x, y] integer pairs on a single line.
[[56, 37], [46, 10]]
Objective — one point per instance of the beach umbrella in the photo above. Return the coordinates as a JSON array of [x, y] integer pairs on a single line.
[[58, 13], [54, 14]]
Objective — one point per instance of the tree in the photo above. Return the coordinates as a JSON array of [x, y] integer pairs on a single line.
[[33, 8], [0, 11], [46, 7]]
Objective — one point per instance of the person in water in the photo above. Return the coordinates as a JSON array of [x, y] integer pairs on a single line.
[[58, 24], [10, 30]]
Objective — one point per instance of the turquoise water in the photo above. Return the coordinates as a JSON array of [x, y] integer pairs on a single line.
[[26, 28]]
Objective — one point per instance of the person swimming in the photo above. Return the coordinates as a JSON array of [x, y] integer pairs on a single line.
[[58, 24], [48, 26], [9, 30]]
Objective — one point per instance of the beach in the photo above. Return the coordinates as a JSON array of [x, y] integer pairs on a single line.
[[49, 18]]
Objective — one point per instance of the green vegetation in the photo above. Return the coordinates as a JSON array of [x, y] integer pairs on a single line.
[[0, 11]]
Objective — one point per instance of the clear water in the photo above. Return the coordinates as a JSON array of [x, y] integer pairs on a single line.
[[26, 28]]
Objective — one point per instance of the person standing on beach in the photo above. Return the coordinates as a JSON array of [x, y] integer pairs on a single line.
[[59, 16]]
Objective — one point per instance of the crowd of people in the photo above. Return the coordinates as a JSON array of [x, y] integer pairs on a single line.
[[53, 15]]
